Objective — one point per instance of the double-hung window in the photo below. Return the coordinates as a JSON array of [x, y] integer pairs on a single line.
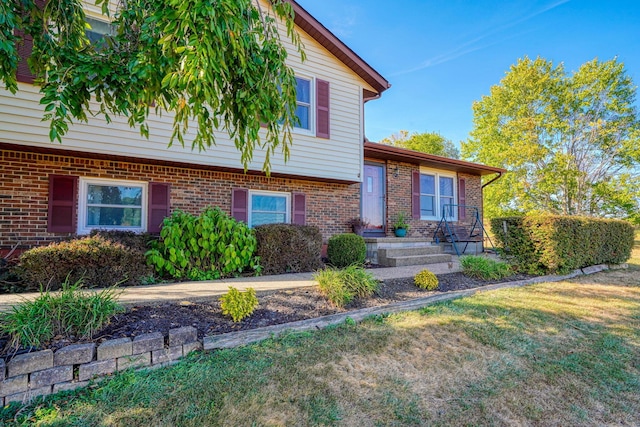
[[97, 30], [304, 104], [112, 205], [269, 207], [437, 195]]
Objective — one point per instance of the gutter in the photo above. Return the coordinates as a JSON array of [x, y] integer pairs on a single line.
[[494, 179]]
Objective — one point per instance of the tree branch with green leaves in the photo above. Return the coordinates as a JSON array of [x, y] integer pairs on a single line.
[[213, 65]]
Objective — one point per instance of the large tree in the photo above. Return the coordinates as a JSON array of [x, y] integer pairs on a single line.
[[220, 64], [571, 142], [426, 142]]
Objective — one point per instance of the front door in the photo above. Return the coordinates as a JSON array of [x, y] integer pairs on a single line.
[[373, 197]]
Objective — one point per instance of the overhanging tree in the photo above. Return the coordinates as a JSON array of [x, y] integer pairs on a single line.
[[570, 142], [219, 64], [426, 142]]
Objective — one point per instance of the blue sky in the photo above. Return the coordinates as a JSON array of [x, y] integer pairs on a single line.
[[441, 56]]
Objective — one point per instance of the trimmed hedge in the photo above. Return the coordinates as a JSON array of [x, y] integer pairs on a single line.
[[346, 249], [288, 248], [541, 243], [100, 260]]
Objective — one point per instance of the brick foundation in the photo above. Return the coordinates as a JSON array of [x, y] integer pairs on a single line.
[[24, 192]]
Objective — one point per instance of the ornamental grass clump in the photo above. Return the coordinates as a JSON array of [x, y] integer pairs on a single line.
[[70, 312], [484, 268], [238, 305], [426, 280], [340, 287]]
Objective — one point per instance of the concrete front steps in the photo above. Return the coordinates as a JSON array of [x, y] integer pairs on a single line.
[[400, 252]]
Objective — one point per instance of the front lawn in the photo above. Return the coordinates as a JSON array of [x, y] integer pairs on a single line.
[[564, 353]]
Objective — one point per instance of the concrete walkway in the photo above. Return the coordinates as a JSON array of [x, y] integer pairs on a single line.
[[205, 290]]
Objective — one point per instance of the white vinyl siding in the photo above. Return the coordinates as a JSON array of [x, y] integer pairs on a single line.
[[337, 158]]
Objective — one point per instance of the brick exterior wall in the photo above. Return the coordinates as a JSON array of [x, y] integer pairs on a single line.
[[399, 199], [24, 192]]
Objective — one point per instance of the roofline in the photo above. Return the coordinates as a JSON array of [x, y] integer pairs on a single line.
[[389, 152], [333, 44]]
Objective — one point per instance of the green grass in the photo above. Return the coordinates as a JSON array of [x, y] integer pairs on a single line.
[[485, 268], [563, 353], [70, 311], [341, 286]]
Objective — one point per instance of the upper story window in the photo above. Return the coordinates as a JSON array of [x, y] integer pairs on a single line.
[[437, 193], [269, 207], [97, 30], [112, 205], [304, 103]]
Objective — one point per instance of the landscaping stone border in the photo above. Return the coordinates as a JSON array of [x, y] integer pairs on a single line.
[[41, 373]]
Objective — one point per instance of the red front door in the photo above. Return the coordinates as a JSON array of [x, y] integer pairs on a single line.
[[373, 197]]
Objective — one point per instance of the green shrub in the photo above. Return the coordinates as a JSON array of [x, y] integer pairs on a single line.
[[238, 305], [205, 247], [346, 249], [426, 280], [484, 268], [340, 287], [541, 243], [288, 248], [99, 259], [70, 312]]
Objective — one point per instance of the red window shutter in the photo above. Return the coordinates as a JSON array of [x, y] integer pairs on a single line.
[[299, 209], [415, 194], [63, 193], [462, 198], [159, 205], [23, 73], [240, 204], [322, 108]]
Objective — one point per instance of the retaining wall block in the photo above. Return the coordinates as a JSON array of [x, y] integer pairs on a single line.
[[96, 369], [28, 395], [189, 347], [113, 349], [134, 361], [148, 342], [14, 385], [69, 386], [74, 354], [3, 370], [30, 362], [166, 355], [51, 376], [181, 336]]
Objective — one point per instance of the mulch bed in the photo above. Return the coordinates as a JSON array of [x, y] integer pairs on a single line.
[[276, 307]]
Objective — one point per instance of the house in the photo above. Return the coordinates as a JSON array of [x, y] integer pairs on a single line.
[[107, 176]]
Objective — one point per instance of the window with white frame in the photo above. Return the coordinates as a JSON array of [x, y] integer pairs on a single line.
[[269, 207], [304, 103], [97, 30], [437, 192], [112, 205]]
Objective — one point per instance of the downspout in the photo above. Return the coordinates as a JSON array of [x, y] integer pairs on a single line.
[[494, 179]]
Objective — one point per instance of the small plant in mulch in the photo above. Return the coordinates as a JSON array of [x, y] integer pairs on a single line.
[[238, 305], [340, 287], [426, 280], [484, 268], [71, 312]]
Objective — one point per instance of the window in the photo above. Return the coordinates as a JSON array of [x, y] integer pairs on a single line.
[[437, 192], [267, 207], [98, 29], [303, 103], [115, 205]]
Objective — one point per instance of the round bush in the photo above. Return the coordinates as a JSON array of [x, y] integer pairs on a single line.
[[346, 249], [426, 280], [97, 260]]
